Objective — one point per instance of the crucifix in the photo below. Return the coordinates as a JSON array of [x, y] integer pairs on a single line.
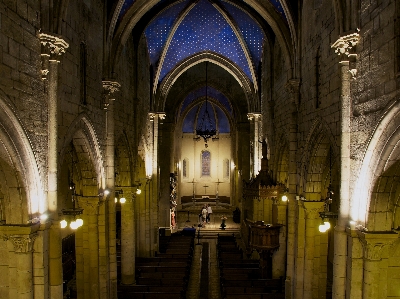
[[218, 182], [193, 182], [205, 189]]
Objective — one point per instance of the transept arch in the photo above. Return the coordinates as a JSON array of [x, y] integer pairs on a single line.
[[214, 58], [380, 159], [318, 158], [19, 170], [82, 128]]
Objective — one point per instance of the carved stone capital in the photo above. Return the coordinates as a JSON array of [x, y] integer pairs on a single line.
[[344, 44], [153, 115], [374, 243], [110, 87], [52, 44], [22, 243], [293, 88], [312, 208], [52, 48], [254, 116]]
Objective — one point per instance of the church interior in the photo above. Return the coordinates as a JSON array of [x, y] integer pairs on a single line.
[[199, 149]]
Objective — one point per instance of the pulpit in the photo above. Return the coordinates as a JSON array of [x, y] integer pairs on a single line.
[[264, 238]]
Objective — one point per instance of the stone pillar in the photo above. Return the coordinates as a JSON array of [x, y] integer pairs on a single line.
[[299, 244], [20, 241], [52, 49], [311, 209], [343, 47], [255, 141], [88, 267], [110, 87], [376, 247], [156, 118], [128, 238], [279, 257], [166, 167], [293, 89], [354, 277]]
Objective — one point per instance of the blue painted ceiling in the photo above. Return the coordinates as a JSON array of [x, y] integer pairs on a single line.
[[204, 28]]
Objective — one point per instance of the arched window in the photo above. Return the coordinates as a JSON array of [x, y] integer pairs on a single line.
[[82, 70], [185, 168], [205, 163], [226, 168]]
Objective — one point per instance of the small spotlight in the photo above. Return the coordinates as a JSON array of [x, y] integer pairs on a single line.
[[63, 223], [73, 225], [122, 200], [284, 198], [138, 191], [44, 217], [79, 222], [106, 192]]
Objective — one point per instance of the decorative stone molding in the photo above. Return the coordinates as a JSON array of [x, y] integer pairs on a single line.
[[344, 44], [22, 243], [109, 88], [374, 243], [52, 48], [312, 208]]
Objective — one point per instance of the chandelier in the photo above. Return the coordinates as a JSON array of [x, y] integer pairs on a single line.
[[206, 129]]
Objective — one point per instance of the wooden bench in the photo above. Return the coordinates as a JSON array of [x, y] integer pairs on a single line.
[[161, 281], [256, 296], [151, 269], [158, 275], [150, 295]]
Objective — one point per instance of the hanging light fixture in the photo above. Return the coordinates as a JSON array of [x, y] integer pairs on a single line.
[[206, 129], [76, 210], [327, 214]]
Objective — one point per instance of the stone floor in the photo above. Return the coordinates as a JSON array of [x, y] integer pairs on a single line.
[[204, 276]]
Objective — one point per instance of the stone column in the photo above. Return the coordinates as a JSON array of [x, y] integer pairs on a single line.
[[293, 87], [110, 87], [52, 49], [166, 167], [279, 257], [311, 209], [299, 244], [354, 277], [376, 247], [20, 267], [128, 237], [88, 266], [255, 139], [156, 118], [343, 46]]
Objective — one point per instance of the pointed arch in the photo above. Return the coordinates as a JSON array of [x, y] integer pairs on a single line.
[[21, 161], [382, 152], [83, 128], [230, 67]]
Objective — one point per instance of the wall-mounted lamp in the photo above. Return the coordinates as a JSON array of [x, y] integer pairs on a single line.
[[284, 196], [75, 211], [327, 214], [118, 198]]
